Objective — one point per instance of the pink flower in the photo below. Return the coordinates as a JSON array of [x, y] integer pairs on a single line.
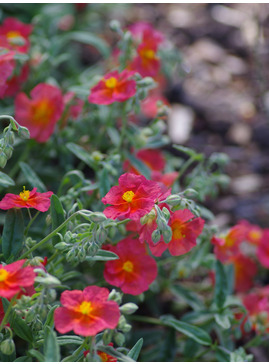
[[14, 84], [263, 249], [7, 66], [142, 30], [134, 271], [36, 200], [40, 113], [134, 197], [12, 30], [113, 87], [86, 312], [13, 277], [245, 271], [185, 230]]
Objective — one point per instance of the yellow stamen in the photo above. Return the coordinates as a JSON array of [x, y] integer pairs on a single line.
[[111, 82], [255, 234], [3, 275], [25, 194], [128, 196], [42, 111], [177, 229], [149, 54], [128, 266], [13, 34], [85, 307]]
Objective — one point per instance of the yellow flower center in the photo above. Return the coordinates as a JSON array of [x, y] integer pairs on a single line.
[[42, 111], [3, 275], [85, 307], [255, 234], [178, 231], [128, 196], [149, 54], [111, 82], [128, 266], [25, 194], [103, 356], [13, 34]]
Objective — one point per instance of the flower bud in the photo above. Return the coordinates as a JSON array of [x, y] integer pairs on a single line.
[[7, 346], [126, 328], [166, 213], [107, 336], [3, 159], [167, 234], [121, 323], [23, 132], [10, 137], [115, 296], [128, 308], [156, 236], [97, 156], [114, 25], [173, 200], [61, 246], [119, 338], [101, 235]]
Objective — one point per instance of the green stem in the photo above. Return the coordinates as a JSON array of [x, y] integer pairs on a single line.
[[185, 167], [30, 223], [149, 320], [48, 237]]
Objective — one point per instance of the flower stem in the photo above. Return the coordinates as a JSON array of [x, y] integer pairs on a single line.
[[30, 223]]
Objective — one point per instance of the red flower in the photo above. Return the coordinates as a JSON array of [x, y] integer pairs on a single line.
[[103, 356], [86, 312], [40, 113], [185, 230], [7, 66], [147, 62], [141, 30], [11, 31], [134, 197], [113, 87], [245, 270], [13, 278], [253, 232], [263, 249], [36, 200], [149, 104], [15, 82], [227, 246], [134, 271], [167, 179], [153, 158]]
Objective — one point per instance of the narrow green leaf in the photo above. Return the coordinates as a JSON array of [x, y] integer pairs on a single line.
[[111, 351], [12, 238], [57, 217], [135, 351], [80, 153], [23, 359], [103, 256], [195, 333], [139, 165], [221, 287], [36, 354], [69, 339], [5, 180], [32, 177], [91, 39], [51, 346], [50, 317], [223, 321]]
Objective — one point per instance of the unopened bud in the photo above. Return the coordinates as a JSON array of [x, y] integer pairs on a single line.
[[23, 132], [156, 236], [166, 213], [128, 308], [49, 280], [115, 296], [119, 338], [101, 235], [7, 346], [173, 200], [3, 159], [10, 137], [114, 25], [107, 336], [167, 234], [61, 246], [126, 328], [97, 156]]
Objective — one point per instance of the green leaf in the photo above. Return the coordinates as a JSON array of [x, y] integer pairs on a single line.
[[190, 152], [36, 354], [12, 238], [57, 216], [5, 180], [69, 339], [222, 354], [50, 317], [32, 177], [111, 351], [23, 359], [91, 39], [195, 333], [223, 321], [190, 297], [135, 351], [103, 256], [139, 165], [221, 287], [17, 324], [104, 183], [51, 346], [80, 153]]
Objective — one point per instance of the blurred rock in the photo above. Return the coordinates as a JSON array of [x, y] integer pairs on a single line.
[[246, 184], [180, 123]]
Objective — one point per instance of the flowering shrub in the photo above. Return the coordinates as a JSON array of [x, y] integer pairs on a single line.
[[74, 272]]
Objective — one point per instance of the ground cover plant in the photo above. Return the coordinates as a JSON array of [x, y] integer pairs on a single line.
[[108, 249]]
